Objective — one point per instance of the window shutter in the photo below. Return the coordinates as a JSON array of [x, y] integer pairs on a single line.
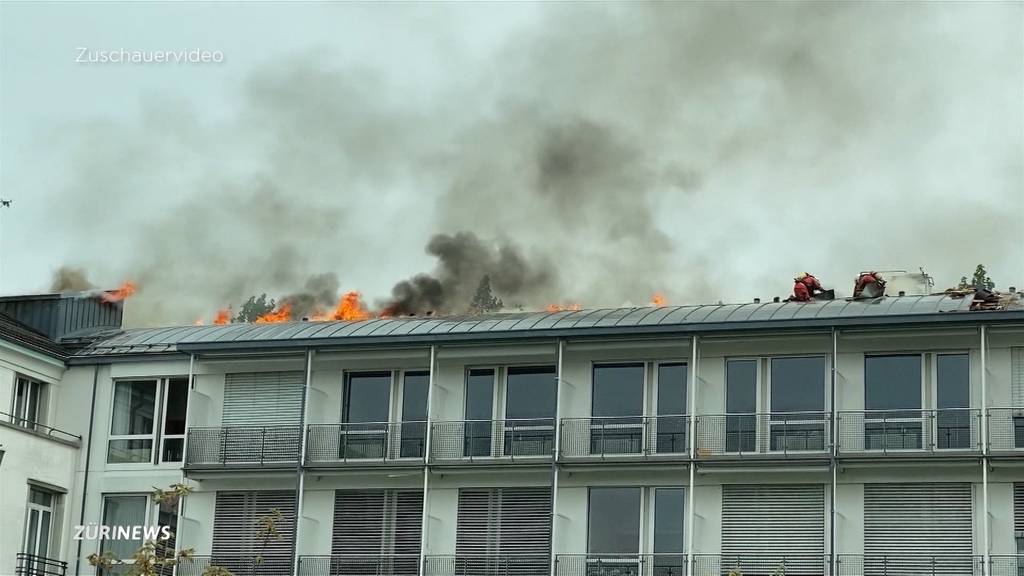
[[237, 530], [764, 523], [381, 528], [503, 521], [263, 399], [931, 522], [1017, 376], [1018, 511]]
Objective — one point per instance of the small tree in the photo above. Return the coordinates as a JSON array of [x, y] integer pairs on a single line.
[[484, 300], [979, 278], [254, 307]]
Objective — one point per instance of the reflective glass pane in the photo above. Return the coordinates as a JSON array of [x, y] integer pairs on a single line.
[[414, 396], [613, 521], [124, 511], [40, 497], [668, 520], [367, 397], [177, 402], [530, 392], [892, 382], [741, 386], [618, 390], [798, 384], [672, 389], [953, 381], [129, 451], [134, 403], [479, 410]]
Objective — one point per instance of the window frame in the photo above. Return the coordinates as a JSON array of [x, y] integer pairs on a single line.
[[922, 409], [825, 401], [157, 436], [656, 386], [21, 417], [652, 521], [967, 411], [393, 382], [152, 436], [163, 437], [52, 510], [151, 512], [641, 529]]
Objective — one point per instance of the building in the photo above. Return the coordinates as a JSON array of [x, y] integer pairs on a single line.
[[870, 437]]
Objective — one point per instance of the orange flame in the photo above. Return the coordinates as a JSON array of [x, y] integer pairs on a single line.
[[127, 289], [350, 307], [282, 314], [659, 300], [223, 316], [198, 322], [561, 308]]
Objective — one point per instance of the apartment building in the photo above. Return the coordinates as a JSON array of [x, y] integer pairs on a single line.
[[866, 437]]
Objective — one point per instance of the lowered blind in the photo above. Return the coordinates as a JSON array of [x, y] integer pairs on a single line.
[[912, 527], [764, 525], [263, 399], [238, 530], [1018, 514], [377, 522], [504, 521], [1017, 376]]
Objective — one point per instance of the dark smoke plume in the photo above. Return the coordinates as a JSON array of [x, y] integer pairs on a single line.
[[319, 295], [70, 279]]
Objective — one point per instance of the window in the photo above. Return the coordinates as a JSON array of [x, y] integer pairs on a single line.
[[414, 414], [367, 401], [529, 410], [740, 405], [892, 400], [671, 423], [613, 521], [145, 413], [797, 398], [126, 511], [479, 411], [39, 521], [28, 398], [617, 408], [669, 505], [953, 418]]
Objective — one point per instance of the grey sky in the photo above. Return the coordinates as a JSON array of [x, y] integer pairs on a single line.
[[706, 151]]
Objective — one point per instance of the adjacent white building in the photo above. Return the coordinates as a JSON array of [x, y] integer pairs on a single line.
[[845, 437]]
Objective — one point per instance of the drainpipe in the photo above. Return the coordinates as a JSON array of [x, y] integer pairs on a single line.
[[692, 405], [88, 453], [184, 452], [557, 451], [426, 463], [299, 467], [834, 425], [984, 451]]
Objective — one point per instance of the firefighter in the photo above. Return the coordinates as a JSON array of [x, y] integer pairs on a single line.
[[805, 286], [869, 285]]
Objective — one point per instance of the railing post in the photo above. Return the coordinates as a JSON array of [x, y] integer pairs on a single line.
[[263, 443]]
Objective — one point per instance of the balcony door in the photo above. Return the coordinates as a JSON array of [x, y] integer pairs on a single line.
[[415, 386], [797, 404], [530, 396], [38, 528], [671, 425], [669, 518], [617, 408], [893, 419], [613, 532], [954, 420], [479, 412], [366, 409], [741, 406]]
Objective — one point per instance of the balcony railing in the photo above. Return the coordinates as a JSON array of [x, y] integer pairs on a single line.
[[32, 565], [241, 446], [487, 440], [365, 442], [38, 428], [1006, 565], [360, 565], [909, 431], [777, 434], [620, 565], [495, 565], [625, 436], [760, 564], [909, 565], [1006, 429], [254, 565]]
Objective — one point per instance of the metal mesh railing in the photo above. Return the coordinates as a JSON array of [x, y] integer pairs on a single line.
[[360, 565], [620, 565], [778, 433], [243, 445], [1006, 565], [909, 565], [255, 565], [471, 440], [883, 431], [1005, 429], [490, 565], [625, 436], [365, 441], [760, 564], [32, 565]]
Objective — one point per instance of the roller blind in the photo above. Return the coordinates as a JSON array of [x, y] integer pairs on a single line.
[[503, 521], [764, 523], [237, 527], [263, 399]]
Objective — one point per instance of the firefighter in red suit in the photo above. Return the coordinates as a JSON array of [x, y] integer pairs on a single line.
[[869, 285], [805, 286]]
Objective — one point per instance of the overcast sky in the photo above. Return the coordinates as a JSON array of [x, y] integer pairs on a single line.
[[707, 151]]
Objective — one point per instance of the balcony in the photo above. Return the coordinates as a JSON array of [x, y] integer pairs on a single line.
[[31, 565], [760, 565], [620, 565], [495, 565], [778, 434], [1009, 565], [270, 565], [243, 447], [949, 431], [1006, 430], [909, 565], [38, 429], [492, 441], [365, 443], [625, 437], [360, 565]]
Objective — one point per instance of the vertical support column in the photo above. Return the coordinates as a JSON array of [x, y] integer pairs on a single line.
[[426, 461], [184, 452], [692, 410], [834, 453], [299, 468], [557, 450], [984, 451]]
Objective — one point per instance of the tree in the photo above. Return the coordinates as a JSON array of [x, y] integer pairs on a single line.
[[254, 308], [980, 278], [484, 300]]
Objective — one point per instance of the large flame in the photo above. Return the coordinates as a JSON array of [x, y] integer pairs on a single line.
[[562, 307], [350, 307], [223, 316], [125, 290], [659, 300], [282, 314]]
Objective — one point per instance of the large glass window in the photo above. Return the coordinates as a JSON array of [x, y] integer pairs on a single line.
[[127, 511], [38, 526], [175, 407], [953, 400], [892, 399], [797, 398], [669, 559], [529, 410], [671, 425], [613, 521], [740, 405], [367, 400], [132, 421], [479, 411], [28, 398], [414, 413], [617, 408]]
